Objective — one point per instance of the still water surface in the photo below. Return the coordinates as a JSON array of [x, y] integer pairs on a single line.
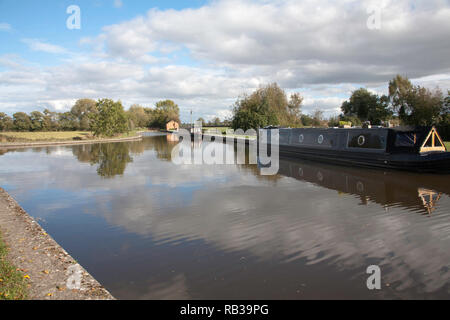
[[149, 229]]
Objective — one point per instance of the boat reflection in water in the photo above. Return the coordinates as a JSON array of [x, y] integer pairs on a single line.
[[408, 190]]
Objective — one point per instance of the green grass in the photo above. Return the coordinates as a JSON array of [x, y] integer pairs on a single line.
[[12, 137], [13, 286], [132, 133], [44, 136]]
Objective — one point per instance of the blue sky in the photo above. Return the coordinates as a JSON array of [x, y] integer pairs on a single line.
[[204, 54], [46, 20]]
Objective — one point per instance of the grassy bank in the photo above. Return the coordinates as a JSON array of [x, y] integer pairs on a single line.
[[43, 136], [12, 282], [55, 136]]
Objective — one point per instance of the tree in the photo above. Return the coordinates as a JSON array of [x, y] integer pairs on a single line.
[[51, 121], [399, 90], [139, 116], [380, 112], [295, 108], [359, 104], [216, 122], [317, 118], [416, 105], [6, 122], [82, 110], [22, 121], [367, 106], [424, 107], [355, 121], [445, 116], [334, 121], [37, 120], [67, 121], [202, 121], [266, 106], [165, 111], [110, 118], [307, 121]]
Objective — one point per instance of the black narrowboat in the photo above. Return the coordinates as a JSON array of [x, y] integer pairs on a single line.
[[417, 149]]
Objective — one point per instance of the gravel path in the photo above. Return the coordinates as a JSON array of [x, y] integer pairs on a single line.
[[51, 272]]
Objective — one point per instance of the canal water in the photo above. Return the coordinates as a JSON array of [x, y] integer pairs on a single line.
[[147, 228]]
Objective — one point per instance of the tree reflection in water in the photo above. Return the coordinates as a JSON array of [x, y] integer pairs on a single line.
[[112, 158]]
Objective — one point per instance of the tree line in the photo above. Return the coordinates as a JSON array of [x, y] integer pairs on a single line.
[[406, 104], [103, 117]]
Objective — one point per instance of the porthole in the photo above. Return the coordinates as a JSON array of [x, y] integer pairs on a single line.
[[361, 140], [320, 139], [301, 138]]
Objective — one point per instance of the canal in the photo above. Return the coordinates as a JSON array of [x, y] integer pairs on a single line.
[[149, 229]]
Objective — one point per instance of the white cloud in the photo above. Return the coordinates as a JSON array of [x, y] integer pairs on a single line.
[[38, 45], [205, 58], [5, 26], [316, 41]]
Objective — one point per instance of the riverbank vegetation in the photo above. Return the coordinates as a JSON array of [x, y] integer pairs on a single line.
[[51, 136], [269, 105], [406, 104], [13, 285], [105, 118], [58, 136]]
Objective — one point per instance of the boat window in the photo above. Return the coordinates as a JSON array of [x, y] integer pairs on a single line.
[[361, 140], [367, 140], [320, 139], [313, 138], [405, 139]]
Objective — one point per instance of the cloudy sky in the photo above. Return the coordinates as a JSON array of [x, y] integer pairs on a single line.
[[204, 54]]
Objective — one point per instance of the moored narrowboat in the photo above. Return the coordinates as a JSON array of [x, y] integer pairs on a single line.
[[417, 149]]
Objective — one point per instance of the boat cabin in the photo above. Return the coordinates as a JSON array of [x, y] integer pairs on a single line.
[[374, 140]]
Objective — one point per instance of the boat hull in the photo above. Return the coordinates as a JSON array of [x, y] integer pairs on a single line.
[[430, 162]]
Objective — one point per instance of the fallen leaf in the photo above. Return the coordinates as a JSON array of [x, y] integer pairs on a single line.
[[46, 271]]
